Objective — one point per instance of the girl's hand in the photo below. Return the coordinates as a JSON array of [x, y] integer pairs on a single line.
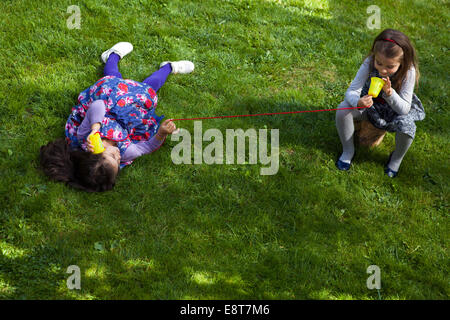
[[365, 101], [167, 127], [90, 146], [387, 86]]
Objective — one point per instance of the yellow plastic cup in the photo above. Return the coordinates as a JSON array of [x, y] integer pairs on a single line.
[[96, 140], [376, 84]]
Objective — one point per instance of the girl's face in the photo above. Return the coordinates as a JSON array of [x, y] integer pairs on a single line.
[[112, 155], [387, 66]]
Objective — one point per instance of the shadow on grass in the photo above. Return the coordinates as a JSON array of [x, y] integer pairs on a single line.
[[187, 253]]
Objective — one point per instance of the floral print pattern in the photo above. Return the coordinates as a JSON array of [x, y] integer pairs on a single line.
[[129, 117]]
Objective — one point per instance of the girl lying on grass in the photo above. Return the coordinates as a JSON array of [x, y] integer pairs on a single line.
[[393, 59], [123, 113]]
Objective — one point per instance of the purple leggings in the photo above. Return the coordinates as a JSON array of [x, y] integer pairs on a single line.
[[156, 79]]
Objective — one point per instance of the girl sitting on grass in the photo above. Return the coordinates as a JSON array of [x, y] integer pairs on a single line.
[[393, 59], [123, 113]]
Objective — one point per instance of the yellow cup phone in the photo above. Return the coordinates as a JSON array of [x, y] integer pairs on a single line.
[[96, 141], [376, 84]]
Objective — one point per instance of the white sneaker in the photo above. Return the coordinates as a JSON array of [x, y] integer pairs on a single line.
[[182, 66], [120, 48]]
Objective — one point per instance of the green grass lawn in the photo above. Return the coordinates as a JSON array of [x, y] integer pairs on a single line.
[[223, 231]]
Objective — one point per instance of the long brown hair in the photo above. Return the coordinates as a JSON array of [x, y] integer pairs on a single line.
[[391, 44], [79, 169]]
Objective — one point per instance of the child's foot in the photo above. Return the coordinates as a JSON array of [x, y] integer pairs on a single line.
[[390, 172], [120, 48], [182, 66], [344, 161], [341, 165]]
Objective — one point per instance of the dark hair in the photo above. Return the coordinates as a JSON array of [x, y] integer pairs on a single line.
[[79, 169], [400, 45]]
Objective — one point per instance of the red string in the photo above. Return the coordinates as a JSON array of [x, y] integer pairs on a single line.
[[266, 114]]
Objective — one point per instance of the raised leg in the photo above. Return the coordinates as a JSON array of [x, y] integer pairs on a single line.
[[159, 77], [112, 66]]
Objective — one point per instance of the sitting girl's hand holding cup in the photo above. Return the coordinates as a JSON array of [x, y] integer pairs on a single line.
[[387, 86], [365, 101]]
